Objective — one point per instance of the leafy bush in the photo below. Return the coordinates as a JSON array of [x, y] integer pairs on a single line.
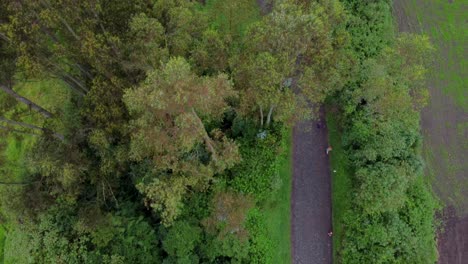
[[392, 218], [62, 235], [257, 173], [260, 243]]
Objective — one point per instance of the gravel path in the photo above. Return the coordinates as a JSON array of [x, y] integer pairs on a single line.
[[311, 195]]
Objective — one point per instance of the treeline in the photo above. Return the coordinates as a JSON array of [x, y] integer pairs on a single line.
[[164, 143], [392, 215]]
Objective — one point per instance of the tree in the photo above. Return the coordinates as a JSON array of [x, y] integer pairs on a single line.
[[182, 22], [147, 49], [169, 110], [294, 56], [180, 241], [229, 215], [211, 53]]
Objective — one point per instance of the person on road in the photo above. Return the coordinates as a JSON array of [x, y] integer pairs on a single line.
[[330, 234], [329, 149]]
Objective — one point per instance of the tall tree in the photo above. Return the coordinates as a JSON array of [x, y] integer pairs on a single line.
[[302, 51], [170, 110]]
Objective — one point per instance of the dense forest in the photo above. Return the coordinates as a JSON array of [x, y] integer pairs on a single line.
[[151, 131]]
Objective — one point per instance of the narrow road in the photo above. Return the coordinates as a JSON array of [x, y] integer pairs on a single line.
[[311, 195]]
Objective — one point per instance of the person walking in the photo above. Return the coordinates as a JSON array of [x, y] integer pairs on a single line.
[[329, 149]]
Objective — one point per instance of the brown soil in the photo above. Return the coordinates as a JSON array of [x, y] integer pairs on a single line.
[[444, 151], [311, 194], [453, 241]]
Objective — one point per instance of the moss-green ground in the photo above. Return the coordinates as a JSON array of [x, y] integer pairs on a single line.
[[341, 182], [278, 211]]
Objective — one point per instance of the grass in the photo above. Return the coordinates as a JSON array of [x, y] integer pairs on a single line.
[[341, 183], [278, 211]]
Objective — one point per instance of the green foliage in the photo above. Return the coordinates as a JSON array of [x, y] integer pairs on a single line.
[[258, 172], [404, 236], [179, 243], [168, 129], [261, 249], [148, 47], [383, 223], [371, 26], [63, 235], [173, 143], [211, 53]]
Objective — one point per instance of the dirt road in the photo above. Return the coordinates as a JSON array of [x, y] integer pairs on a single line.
[[311, 195]]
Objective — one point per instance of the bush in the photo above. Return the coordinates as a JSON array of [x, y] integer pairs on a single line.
[[392, 218], [260, 242], [257, 173]]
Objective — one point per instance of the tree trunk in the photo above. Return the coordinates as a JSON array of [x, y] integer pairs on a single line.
[[270, 113], [206, 138], [18, 131], [26, 101], [11, 122], [261, 116]]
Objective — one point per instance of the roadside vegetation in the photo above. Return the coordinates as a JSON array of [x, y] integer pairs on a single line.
[[390, 218], [341, 173]]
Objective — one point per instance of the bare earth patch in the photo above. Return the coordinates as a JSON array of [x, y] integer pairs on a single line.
[[453, 241]]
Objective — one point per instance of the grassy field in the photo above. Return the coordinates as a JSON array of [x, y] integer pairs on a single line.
[[444, 121], [341, 183], [278, 211]]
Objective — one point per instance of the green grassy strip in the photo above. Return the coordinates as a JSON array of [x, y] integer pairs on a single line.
[[278, 210], [341, 183]]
